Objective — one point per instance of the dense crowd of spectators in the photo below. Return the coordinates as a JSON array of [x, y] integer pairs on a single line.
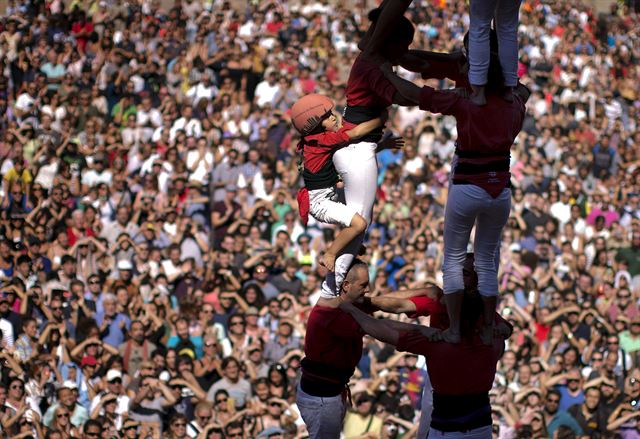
[[156, 277]]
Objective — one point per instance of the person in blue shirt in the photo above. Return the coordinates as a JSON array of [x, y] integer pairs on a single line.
[[571, 393], [181, 340], [554, 417], [113, 325]]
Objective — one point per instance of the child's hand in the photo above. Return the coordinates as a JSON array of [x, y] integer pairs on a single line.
[[391, 142]]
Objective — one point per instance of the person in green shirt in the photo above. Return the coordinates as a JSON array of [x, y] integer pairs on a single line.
[[630, 340], [631, 255], [123, 109]]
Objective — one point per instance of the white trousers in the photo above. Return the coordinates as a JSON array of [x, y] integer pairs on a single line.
[[505, 13], [358, 167]]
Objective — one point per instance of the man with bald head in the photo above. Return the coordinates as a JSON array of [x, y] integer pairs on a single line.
[[333, 347]]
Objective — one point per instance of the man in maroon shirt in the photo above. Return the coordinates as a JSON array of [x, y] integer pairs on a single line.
[[480, 187], [333, 347], [461, 374]]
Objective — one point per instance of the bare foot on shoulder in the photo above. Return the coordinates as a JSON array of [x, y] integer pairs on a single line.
[[328, 261], [478, 97], [451, 337]]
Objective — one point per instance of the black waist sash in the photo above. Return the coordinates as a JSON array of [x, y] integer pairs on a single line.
[[319, 379], [357, 115], [325, 177], [460, 412], [475, 162]]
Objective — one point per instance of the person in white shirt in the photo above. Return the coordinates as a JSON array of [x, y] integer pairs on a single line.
[[205, 89], [8, 336], [148, 119], [199, 161], [26, 102], [114, 391], [98, 174], [561, 209], [267, 91], [190, 125]]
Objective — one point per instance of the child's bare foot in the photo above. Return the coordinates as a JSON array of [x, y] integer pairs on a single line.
[[451, 337], [508, 94], [486, 334], [328, 261], [478, 99]]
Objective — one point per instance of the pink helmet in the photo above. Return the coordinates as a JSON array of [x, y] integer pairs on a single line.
[[307, 113]]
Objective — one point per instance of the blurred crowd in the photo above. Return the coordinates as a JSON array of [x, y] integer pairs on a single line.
[[156, 277]]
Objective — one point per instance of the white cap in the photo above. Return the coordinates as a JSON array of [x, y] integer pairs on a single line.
[[125, 265], [68, 384], [113, 374]]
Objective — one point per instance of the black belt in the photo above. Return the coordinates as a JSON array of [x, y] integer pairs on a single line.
[[320, 388], [457, 181], [482, 168], [460, 412]]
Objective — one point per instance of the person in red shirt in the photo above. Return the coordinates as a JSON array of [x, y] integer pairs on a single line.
[[81, 29], [480, 191], [428, 301], [462, 374], [333, 347]]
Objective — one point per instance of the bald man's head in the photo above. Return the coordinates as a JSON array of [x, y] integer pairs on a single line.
[[356, 282], [355, 270]]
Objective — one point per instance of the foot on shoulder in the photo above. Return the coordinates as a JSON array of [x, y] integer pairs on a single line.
[[508, 94], [451, 337], [328, 261], [478, 99]]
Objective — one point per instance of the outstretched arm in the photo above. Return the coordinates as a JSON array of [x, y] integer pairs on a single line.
[[386, 331], [378, 329], [406, 90], [435, 65], [396, 305]]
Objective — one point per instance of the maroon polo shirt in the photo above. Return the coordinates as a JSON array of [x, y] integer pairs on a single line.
[[456, 369], [333, 337], [367, 86]]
